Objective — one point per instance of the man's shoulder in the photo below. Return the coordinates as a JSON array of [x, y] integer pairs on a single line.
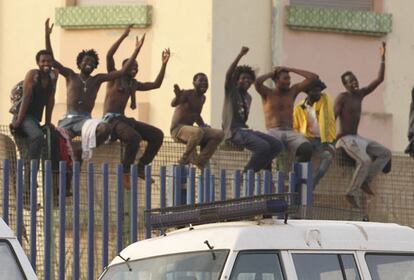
[[33, 72], [342, 95]]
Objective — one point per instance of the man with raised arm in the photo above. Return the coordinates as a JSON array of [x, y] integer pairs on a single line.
[[370, 156], [82, 89], [278, 108], [188, 105], [129, 130], [236, 110], [39, 88]]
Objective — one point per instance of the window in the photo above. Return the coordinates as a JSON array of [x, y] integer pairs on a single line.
[[257, 265], [206, 265], [365, 5], [387, 266], [325, 267], [9, 264]]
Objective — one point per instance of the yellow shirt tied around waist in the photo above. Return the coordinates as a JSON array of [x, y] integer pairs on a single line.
[[325, 115]]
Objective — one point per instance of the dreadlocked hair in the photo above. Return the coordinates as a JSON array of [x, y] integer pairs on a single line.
[[244, 69], [84, 53]]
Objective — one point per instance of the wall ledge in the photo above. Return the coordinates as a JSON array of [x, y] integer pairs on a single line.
[[97, 17], [338, 20]]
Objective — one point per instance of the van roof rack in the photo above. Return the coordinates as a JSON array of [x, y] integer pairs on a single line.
[[230, 210]]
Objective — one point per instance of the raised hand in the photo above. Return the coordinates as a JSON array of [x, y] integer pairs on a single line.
[[244, 50], [165, 56], [127, 30], [139, 43], [382, 50], [48, 28]]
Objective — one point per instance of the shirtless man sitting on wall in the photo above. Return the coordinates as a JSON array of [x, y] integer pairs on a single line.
[[278, 106], [370, 156]]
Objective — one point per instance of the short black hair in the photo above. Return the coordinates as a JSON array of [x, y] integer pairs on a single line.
[[347, 73], [42, 52], [198, 74], [317, 83], [84, 53], [277, 75], [244, 69]]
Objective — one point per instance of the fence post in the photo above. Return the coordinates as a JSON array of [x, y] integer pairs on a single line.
[[19, 200], [178, 200], [105, 214], [76, 224], [207, 174], [91, 223], [303, 174], [134, 203], [236, 184], [62, 218], [163, 185], [191, 187], [258, 184], [33, 210], [223, 185], [267, 182], [6, 190], [249, 183], [212, 188], [48, 220], [200, 189], [119, 207], [148, 197], [280, 182]]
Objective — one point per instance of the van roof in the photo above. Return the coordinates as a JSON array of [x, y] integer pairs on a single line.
[[274, 234], [5, 231]]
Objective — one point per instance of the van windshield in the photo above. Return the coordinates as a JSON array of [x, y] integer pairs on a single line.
[[206, 265], [390, 266]]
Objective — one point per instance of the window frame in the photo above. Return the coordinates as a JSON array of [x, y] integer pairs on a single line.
[[385, 253], [252, 251], [336, 253]]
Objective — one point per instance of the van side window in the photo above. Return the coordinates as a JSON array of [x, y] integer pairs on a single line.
[[325, 266], [9, 265], [257, 265], [390, 266]]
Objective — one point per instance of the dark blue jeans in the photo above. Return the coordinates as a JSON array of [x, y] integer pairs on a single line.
[[264, 147], [30, 128]]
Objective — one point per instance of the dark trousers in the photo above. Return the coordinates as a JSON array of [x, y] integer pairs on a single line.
[[131, 132], [264, 147], [30, 128]]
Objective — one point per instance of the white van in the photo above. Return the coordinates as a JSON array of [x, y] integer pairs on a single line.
[[269, 249], [14, 264]]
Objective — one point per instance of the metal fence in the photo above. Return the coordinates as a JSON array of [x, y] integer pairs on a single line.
[[393, 201], [67, 223]]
